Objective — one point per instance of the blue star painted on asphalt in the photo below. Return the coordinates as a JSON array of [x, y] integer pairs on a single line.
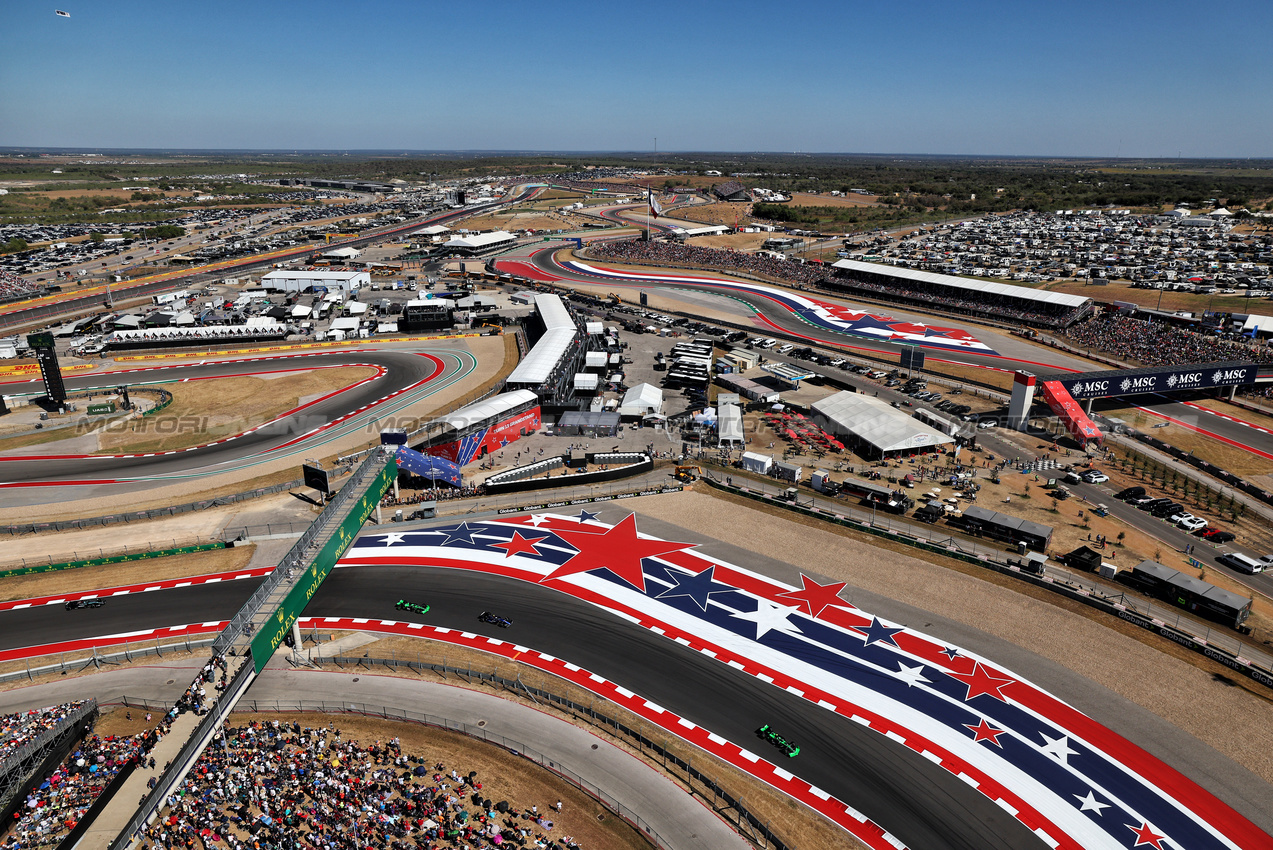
[[698, 587], [462, 533], [587, 516], [950, 652], [877, 632]]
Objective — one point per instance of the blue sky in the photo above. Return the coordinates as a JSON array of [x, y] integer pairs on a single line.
[[1123, 78]]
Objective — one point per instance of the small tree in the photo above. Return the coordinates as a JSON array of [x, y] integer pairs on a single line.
[[1122, 535], [1055, 503]]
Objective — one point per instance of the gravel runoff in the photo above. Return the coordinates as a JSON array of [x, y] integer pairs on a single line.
[[1232, 720]]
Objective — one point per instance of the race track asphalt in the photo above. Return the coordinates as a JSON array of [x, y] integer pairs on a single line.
[[1012, 353], [402, 370]]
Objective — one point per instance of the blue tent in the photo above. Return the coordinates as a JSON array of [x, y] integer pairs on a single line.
[[428, 466]]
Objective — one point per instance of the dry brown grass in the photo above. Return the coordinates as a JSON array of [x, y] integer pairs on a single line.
[[1233, 458], [222, 407], [804, 199], [130, 572]]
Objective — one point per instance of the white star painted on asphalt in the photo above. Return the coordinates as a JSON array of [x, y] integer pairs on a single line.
[[1090, 804], [1058, 748], [393, 537], [538, 519], [768, 616], [912, 675]]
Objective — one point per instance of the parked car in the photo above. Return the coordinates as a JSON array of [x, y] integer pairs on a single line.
[[1130, 493], [1193, 523], [988, 423], [1095, 477], [1218, 536], [84, 603]]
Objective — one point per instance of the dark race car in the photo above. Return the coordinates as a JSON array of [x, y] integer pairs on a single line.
[[495, 619], [413, 607], [778, 741], [85, 603]]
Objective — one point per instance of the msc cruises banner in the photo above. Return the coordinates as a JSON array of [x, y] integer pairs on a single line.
[[1197, 377]]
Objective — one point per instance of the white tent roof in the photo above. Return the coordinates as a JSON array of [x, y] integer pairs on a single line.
[[481, 240], [643, 398], [185, 317], [1260, 324], [345, 323], [487, 408], [876, 422], [433, 230], [729, 423], [342, 253], [596, 358], [584, 381], [356, 308], [300, 311], [983, 286], [560, 332]]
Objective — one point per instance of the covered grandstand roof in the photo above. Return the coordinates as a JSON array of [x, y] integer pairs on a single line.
[[478, 241], [1059, 299], [559, 333], [487, 408], [876, 422]]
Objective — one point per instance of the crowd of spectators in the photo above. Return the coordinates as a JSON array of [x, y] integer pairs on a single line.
[[15, 285], [55, 806], [433, 494], [272, 785], [1156, 343], [20, 728], [964, 301], [677, 254]]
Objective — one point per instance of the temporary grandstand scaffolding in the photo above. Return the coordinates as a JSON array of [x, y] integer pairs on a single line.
[[22, 766]]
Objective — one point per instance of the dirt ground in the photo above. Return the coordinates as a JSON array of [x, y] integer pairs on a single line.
[[804, 199], [129, 572], [1233, 458], [199, 414], [519, 781], [719, 213], [748, 242]]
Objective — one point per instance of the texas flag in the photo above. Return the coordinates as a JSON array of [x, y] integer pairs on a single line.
[[656, 209]]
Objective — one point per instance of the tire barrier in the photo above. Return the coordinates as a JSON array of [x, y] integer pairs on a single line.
[[113, 559], [1242, 658]]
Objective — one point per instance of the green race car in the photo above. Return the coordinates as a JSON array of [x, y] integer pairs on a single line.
[[413, 607]]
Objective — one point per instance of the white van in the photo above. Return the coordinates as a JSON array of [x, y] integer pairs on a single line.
[[1240, 562], [769, 343], [786, 349]]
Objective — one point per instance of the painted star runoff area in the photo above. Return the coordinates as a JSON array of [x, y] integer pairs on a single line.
[[822, 314], [1073, 782]]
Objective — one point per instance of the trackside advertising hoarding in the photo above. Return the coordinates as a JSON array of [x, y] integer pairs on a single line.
[[1198, 377], [271, 635]]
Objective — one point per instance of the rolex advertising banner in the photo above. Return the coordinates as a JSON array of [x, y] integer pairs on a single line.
[[271, 635]]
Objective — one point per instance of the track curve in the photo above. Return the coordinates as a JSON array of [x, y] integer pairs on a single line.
[[403, 377]]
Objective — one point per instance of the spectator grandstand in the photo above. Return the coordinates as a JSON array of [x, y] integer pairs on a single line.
[[280, 785], [998, 301], [1142, 341], [674, 254], [15, 286]]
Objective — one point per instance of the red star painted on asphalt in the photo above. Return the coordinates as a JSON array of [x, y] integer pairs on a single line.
[[981, 681], [617, 549], [983, 731], [815, 597], [519, 545], [1146, 835]]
